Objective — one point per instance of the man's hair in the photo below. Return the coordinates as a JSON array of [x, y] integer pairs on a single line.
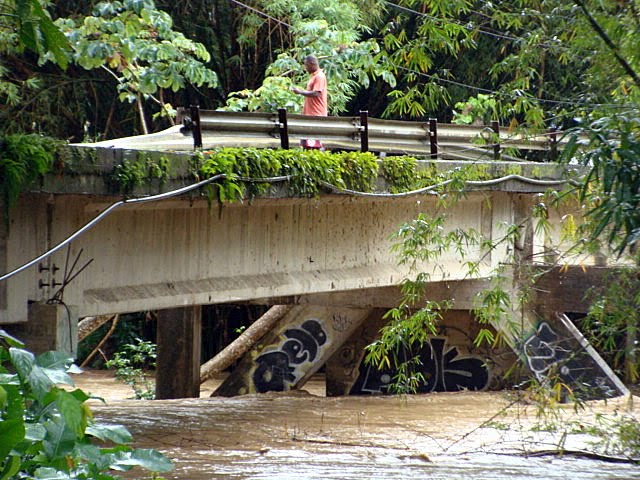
[[311, 59]]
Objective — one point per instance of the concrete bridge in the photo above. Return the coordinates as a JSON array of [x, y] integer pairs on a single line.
[[329, 257]]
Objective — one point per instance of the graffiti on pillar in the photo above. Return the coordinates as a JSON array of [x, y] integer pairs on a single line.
[[442, 366], [279, 369], [341, 323], [543, 352], [552, 357]]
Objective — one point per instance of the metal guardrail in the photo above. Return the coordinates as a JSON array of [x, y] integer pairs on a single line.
[[361, 132]]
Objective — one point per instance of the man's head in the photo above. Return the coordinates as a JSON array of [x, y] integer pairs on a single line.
[[311, 63]]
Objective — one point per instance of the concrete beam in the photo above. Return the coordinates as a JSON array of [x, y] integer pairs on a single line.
[[461, 293], [564, 289]]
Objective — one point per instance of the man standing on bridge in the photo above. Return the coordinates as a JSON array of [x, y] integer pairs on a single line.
[[315, 96]]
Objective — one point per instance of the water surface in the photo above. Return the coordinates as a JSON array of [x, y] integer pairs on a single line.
[[301, 435]]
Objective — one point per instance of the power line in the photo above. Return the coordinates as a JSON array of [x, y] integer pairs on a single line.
[[450, 20], [261, 13], [453, 82]]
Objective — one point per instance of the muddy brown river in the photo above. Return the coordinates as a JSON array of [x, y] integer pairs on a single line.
[[305, 435]]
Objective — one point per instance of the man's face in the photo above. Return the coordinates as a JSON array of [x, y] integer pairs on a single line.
[[310, 67]]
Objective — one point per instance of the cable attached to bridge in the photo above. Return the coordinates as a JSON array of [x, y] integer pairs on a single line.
[[106, 212], [174, 193], [431, 188]]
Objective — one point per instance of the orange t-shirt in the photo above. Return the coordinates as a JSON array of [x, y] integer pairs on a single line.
[[316, 105]]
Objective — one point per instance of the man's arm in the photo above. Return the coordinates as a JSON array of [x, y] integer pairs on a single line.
[[306, 93]]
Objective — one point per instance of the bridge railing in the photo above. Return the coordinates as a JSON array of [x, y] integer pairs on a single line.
[[438, 140]]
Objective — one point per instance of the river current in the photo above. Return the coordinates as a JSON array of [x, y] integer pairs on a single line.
[[305, 435]]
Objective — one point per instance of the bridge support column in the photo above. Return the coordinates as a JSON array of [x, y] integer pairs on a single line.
[[343, 368], [49, 327], [178, 363], [293, 351]]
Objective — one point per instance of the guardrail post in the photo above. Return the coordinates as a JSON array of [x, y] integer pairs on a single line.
[[495, 126], [364, 131], [553, 147], [283, 128], [197, 132], [433, 138]]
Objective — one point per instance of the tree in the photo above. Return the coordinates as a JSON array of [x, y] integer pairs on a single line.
[[330, 31], [130, 42], [136, 44]]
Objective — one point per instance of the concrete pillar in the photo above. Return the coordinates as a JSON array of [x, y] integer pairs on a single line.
[[179, 334], [343, 367], [49, 327], [293, 351]]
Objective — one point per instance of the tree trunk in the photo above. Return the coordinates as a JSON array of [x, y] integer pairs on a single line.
[[244, 342], [89, 324]]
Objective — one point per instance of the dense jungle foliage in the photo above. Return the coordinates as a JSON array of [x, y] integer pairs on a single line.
[[47, 430], [111, 69]]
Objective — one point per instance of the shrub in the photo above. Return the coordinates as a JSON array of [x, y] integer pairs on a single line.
[[47, 432]]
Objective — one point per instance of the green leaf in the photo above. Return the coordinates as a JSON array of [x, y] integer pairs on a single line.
[[55, 365], [60, 440], [23, 361], [38, 32], [11, 432], [113, 433], [12, 341], [72, 411], [39, 382], [4, 399], [8, 379], [48, 473], [34, 432], [149, 459], [11, 467]]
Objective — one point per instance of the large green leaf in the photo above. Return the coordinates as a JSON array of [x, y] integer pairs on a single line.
[[149, 459], [11, 432], [23, 361], [38, 33], [11, 467], [113, 433], [60, 440], [56, 366], [39, 382], [72, 411]]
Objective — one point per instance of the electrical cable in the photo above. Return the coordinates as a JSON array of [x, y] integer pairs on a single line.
[[106, 212], [430, 189]]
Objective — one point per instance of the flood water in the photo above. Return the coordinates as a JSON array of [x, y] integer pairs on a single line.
[[304, 435]]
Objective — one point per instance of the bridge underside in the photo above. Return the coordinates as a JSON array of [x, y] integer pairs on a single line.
[[333, 330]]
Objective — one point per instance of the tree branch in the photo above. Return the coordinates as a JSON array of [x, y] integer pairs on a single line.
[[614, 48]]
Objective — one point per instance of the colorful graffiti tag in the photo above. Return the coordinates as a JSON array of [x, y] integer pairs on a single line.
[[442, 367], [279, 369]]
